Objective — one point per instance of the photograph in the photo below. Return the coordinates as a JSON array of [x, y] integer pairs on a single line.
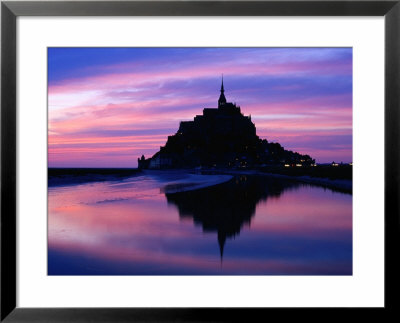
[[200, 161]]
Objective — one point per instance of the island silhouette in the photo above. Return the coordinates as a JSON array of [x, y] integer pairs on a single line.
[[220, 138]]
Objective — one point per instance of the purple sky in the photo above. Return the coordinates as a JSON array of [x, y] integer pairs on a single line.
[[108, 106]]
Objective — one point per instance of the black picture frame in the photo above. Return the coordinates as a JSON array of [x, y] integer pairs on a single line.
[[10, 10]]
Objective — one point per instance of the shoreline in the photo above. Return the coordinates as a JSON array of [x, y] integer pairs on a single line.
[[195, 182], [76, 176], [61, 177], [338, 184], [343, 185]]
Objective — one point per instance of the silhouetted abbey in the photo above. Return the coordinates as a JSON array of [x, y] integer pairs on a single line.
[[222, 138]]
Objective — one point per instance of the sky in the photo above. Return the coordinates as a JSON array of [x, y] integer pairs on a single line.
[[108, 106]]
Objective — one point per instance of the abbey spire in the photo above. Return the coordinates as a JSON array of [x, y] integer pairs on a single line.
[[222, 99]]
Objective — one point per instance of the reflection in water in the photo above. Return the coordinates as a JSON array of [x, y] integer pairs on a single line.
[[226, 207], [259, 225]]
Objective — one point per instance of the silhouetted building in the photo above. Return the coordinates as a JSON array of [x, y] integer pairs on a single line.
[[222, 138]]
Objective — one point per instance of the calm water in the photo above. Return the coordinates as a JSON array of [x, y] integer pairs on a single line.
[[250, 225]]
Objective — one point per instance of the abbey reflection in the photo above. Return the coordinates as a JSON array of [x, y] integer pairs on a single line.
[[226, 207]]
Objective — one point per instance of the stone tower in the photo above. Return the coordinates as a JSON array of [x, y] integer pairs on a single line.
[[222, 99]]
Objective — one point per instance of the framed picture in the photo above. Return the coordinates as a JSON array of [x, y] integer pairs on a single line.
[[193, 160]]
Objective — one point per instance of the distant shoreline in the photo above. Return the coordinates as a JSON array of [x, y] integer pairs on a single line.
[[84, 170], [76, 176]]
